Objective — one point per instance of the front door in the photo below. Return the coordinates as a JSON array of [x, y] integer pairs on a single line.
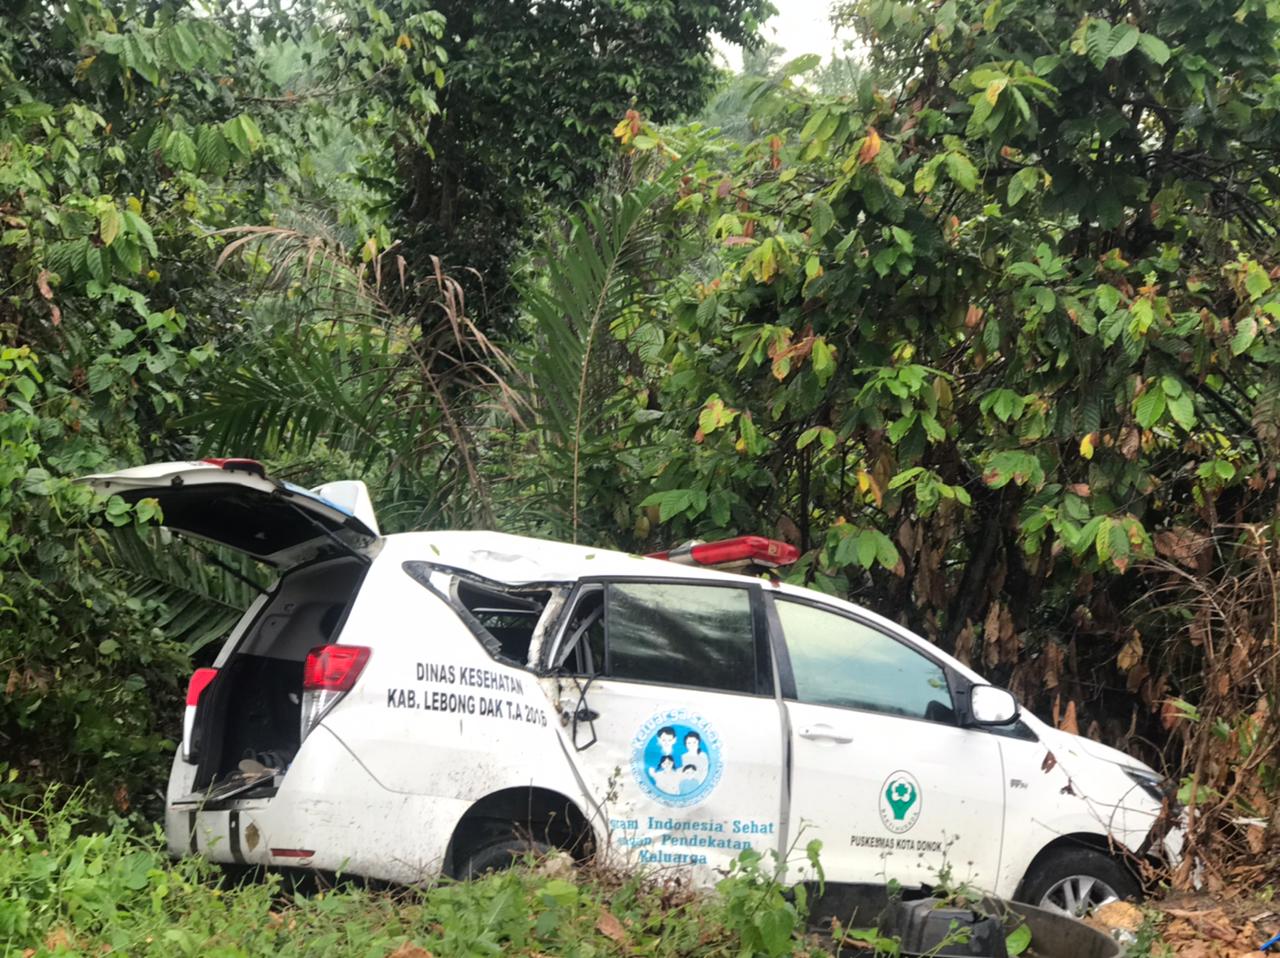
[[677, 736], [882, 774]]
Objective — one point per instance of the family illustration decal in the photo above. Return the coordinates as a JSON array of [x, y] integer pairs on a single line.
[[676, 759], [900, 802]]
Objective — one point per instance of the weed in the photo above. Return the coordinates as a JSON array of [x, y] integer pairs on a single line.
[[68, 888]]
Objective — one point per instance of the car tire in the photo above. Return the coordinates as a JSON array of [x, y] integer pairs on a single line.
[[500, 854], [1075, 880]]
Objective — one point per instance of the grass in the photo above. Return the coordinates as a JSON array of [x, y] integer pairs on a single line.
[[75, 885], [66, 888]]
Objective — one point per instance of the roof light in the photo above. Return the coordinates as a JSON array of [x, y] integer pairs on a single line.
[[239, 465], [739, 551]]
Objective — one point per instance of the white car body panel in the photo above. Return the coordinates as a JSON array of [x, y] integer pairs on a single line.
[[435, 723]]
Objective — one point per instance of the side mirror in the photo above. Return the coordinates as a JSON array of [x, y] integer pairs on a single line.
[[989, 705]]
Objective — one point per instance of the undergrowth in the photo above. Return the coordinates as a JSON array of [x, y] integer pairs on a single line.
[[66, 889]]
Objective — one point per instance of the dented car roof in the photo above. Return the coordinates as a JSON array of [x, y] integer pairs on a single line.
[[520, 560]]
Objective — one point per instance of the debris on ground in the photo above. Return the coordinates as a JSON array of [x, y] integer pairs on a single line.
[[1203, 927]]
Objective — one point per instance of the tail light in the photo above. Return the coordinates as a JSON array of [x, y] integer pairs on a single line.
[[200, 680], [328, 674]]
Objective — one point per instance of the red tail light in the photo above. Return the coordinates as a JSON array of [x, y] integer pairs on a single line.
[[327, 676], [742, 550], [199, 681], [333, 668]]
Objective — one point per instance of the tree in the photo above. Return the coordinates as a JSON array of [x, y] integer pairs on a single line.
[[531, 95], [984, 338], [129, 135]]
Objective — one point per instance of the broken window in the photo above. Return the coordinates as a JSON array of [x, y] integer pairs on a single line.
[[509, 618]]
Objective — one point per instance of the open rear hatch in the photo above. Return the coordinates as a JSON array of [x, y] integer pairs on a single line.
[[234, 503], [242, 723]]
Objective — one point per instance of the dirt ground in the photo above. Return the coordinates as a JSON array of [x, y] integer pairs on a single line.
[[1198, 926]]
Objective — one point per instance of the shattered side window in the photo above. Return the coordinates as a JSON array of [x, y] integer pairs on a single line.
[[503, 620], [509, 618]]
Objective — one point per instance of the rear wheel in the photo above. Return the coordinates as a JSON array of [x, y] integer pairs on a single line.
[[1074, 881], [500, 853]]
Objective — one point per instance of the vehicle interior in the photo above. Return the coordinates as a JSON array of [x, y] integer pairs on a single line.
[[251, 713]]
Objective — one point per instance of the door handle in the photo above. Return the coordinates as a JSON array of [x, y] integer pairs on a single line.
[[825, 733]]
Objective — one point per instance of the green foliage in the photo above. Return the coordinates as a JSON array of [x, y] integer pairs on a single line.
[[530, 97], [127, 135], [66, 887], [985, 333], [591, 287], [198, 214]]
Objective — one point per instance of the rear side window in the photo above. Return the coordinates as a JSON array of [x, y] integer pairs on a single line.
[[679, 634], [510, 618], [503, 619]]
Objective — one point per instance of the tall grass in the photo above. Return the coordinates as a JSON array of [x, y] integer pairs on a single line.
[[69, 888]]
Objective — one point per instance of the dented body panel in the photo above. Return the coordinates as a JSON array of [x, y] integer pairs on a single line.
[[459, 702]]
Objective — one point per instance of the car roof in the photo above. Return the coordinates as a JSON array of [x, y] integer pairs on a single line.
[[526, 560], [521, 560]]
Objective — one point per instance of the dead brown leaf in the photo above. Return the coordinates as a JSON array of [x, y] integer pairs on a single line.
[[410, 950], [56, 939], [1069, 723], [870, 147], [609, 926], [1181, 545], [991, 636], [1130, 443], [1117, 914], [1131, 654]]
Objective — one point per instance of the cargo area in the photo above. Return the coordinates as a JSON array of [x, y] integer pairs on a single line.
[[248, 726]]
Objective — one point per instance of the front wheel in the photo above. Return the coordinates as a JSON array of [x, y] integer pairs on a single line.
[[1074, 881]]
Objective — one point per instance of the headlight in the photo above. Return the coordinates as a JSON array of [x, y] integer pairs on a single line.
[[1155, 785]]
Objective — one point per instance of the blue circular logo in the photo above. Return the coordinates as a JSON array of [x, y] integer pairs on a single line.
[[676, 758]]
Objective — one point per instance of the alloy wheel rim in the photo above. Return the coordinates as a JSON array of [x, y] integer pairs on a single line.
[[1078, 895]]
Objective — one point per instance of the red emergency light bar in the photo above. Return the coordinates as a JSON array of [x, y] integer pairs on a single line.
[[742, 550], [239, 465]]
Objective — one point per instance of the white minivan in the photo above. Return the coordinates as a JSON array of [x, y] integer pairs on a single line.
[[409, 705]]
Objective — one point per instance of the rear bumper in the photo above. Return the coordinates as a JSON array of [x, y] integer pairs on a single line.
[[329, 807]]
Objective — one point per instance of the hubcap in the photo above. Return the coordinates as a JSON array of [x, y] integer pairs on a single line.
[[1078, 895]]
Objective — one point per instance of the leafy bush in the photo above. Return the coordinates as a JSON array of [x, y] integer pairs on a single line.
[[66, 888]]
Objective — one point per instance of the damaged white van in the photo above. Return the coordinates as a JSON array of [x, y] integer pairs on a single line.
[[438, 702]]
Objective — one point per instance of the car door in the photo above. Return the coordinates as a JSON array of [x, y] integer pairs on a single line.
[[881, 772], [671, 720]]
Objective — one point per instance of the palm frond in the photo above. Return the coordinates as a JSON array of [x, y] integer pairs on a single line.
[[591, 274], [360, 359], [200, 601]]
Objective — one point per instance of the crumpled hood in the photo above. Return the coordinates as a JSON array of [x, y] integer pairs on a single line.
[[1060, 742]]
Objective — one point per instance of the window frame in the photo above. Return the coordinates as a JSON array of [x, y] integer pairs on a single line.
[[421, 570], [786, 674], [765, 664]]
